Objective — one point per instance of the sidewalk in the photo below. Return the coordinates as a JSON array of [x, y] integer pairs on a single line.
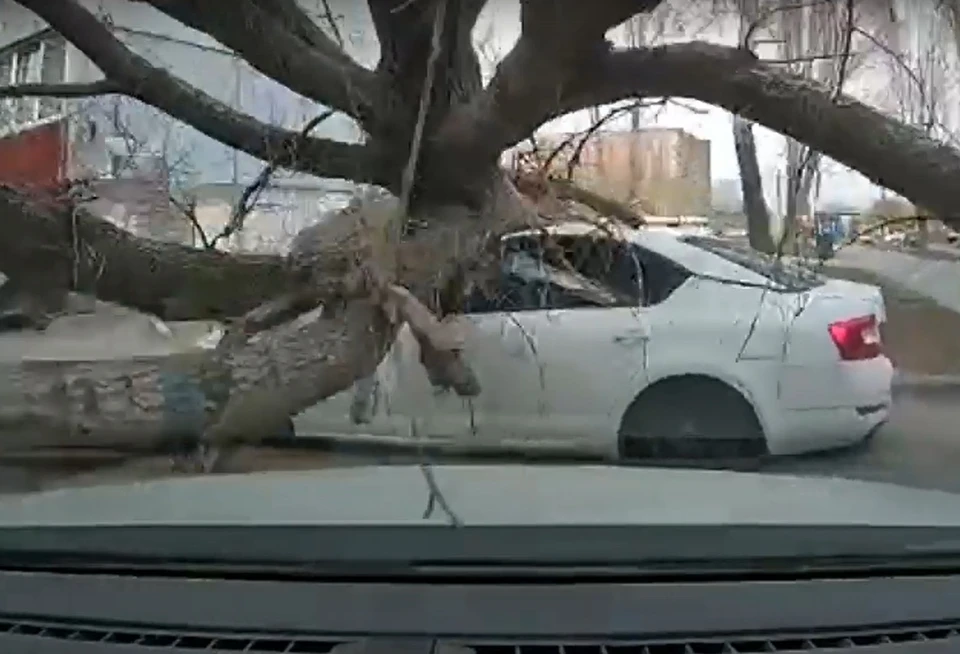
[[923, 306], [937, 279]]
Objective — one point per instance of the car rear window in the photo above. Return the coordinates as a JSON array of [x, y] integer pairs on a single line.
[[795, 277]]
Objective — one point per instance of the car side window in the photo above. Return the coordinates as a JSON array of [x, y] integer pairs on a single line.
[[563, 273], [661, 276]]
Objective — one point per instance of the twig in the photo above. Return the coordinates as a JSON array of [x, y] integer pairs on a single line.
[[251, 193], [189, 211], [435, 497], [594, 127], [747, 42], [328, 14]]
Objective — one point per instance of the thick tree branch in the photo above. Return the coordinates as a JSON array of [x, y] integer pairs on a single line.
[[563, 24], [405, 32], [283, 42], [50, 239], [150, 84], [149, 402], [840, 127], [528, 91]]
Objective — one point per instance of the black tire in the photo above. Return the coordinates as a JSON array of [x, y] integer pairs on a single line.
[[691, 419]]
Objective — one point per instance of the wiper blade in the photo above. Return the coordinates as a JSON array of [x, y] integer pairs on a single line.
[[501, 572], [418, 546]]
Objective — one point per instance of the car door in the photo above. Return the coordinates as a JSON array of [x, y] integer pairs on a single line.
[[591, 358], [498, 353], [501, 349]]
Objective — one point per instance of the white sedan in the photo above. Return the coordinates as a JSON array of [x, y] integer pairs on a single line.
[[697, 348]]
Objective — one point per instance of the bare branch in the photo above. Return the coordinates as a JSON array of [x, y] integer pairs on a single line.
[[281, 41], [155, 86], [523, 96], [330, 18], [537, 183], [189, 211], [295, 20], [251, 193], [761, 21], [77, 90], [71, 247]]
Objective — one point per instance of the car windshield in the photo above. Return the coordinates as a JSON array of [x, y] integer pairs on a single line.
[[442, 263]]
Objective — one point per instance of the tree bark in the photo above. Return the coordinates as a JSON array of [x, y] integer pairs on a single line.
[[236, 392], [282, 357]]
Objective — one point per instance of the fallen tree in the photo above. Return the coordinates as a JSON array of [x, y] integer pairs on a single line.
[[307, 326]]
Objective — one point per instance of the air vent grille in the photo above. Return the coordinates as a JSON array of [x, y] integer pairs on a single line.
[[200, 641]]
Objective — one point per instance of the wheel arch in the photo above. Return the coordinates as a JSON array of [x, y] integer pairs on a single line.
[[697, 380]]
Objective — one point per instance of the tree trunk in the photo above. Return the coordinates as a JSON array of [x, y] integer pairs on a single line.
[[281, 358], [231, 392], [751, 185], [355, 265]]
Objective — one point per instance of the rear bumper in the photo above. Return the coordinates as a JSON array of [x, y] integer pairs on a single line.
[[853, 401], [814, 430]]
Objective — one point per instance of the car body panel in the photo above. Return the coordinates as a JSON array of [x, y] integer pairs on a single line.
[[522, 495], [562, 379]]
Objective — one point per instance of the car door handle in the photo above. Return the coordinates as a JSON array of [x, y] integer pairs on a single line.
[[631, 337]]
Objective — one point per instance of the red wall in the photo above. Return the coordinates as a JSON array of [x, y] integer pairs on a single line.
[[35, 158]]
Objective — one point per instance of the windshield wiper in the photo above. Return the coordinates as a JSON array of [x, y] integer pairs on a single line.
[[434, 545], [479, 572]]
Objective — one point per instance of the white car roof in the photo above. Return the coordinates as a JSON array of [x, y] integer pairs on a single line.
[[665, 241]]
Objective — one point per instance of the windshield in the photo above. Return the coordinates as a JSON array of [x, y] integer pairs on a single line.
[[367, 273]]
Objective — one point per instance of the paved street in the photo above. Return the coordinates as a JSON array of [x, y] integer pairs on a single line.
[[919, 447], [933, 276]]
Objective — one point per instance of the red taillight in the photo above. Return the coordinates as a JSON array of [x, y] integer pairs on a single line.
[[857, 338]]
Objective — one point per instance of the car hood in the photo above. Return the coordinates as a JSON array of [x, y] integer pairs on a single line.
[[489, 495]]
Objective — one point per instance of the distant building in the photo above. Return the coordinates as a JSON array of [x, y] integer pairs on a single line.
[[661, 171]]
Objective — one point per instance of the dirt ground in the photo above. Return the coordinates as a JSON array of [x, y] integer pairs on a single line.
[[920, 336]]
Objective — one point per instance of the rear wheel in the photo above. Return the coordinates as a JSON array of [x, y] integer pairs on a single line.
[[692, 420]]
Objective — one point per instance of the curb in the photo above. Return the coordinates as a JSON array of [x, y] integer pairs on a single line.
[[914, 382]]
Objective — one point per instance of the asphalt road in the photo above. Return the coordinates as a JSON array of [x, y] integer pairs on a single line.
[[920, 447]]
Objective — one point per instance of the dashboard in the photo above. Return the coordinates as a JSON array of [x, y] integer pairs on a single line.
[[81, 613]]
